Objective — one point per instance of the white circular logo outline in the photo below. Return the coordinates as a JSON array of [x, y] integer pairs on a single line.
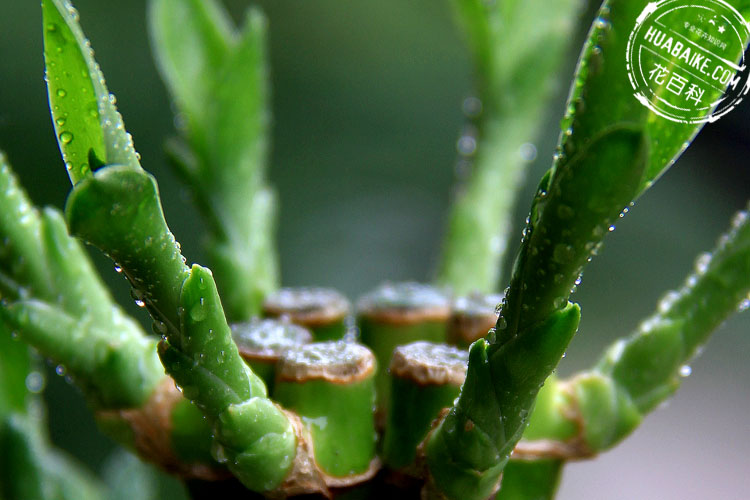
[[712, 114]]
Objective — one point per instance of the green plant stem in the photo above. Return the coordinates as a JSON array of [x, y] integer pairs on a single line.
[[118, 211], [468, 449], [536, 480], [396, 314], [511, 104], [261, 344], [472, 317], [425, 378], [330, 385], [321, 310]]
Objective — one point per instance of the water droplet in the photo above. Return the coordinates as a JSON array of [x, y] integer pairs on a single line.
[[61, 93], [472, 107], [685, 371], [744, 305], [140, 303], [198, 312], [702, 262], [35, 382], [118, 269], [611, 228], [667, 301], [491, 336], [60, 370], [60, 121], [501, 323], [528, 152], [466, 145], [66, 137], [560, 302]]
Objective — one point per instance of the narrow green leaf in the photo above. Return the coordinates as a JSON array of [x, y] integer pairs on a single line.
[[571, 214], [504, 117], [190, 39], [89, 128], [602, 83], [219, 79]]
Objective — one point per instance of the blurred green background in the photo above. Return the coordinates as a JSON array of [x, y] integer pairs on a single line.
[[366, 99]]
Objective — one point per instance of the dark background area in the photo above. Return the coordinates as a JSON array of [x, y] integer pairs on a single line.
[[366, 99]]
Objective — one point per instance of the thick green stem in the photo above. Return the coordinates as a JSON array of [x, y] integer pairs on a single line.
[[468, 449], [321, 310], [262, 343], [425, 378], [396, 314], [118, 211], [331, 386], [530, 480], [472, 317]]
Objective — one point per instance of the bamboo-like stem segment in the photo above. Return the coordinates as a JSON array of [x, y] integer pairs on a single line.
[[321, 310], [262, 343], [425, 378], [331, 386], [472, 317], [397, 314]]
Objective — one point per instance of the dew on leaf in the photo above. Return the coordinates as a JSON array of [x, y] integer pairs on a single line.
[[66, 137]]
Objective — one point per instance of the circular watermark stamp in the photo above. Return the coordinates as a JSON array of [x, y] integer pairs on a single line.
[[685, 59]]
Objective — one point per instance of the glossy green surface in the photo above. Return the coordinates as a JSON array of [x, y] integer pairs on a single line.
[[191, 433], [203, 359], [536, 480], [412, 409], [118, 210], [574, 207], [340, 419], [384, 337], [469, 448], [88, 126], [57, 303], [602, 83], [257, 442]]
